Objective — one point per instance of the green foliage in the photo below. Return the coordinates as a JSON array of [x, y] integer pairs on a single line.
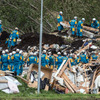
[[25, 14]]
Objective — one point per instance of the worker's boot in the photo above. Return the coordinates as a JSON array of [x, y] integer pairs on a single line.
[[59, 32]]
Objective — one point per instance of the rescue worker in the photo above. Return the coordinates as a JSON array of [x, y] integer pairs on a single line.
[[59, 60], [14, 36], [8, 42], [95, 23], [21, 61], [16, 58], [71, 60], [32, 59], [80, 27], [65, 56], [73, 24], [94, 56], [44, 59], [5, 61], [84, 58], [77, 60], [10, 62], [51, 60], [59, 19], [0, 28]]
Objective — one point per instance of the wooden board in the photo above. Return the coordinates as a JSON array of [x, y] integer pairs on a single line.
[[73, 86], [2, 73], [47, 71]]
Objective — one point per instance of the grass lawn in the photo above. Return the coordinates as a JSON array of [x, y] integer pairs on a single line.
[[27, 93]]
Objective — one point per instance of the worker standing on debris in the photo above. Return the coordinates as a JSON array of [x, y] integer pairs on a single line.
[[95, 23], [5, 60], [14, 36], [59, 20], [21, 62], [32, 59], [44, 59], [83, 57], [94, 56], [51, 60], [59, 60], [73, 24], [80, 27], [16, 58]]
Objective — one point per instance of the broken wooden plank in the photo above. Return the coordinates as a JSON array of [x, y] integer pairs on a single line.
[[29, 71]]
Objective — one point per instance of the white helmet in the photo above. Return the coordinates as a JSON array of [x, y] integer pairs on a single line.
[[78, 54], [65, 53], [16, 28], [94, 19], [83, 19], [10, 54], [83, 51], [58, 53], [3, 52], [44, 51], [17, 50], [34, 54], [6, 51], [60, 12], [13, 52], [20, 52], [75, 17]]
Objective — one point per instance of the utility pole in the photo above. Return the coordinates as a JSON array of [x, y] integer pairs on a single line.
[[40, 47]]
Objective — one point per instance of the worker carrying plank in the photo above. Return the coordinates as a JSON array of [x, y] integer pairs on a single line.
[[59, 19], [80, 27], [95, 23], [73, 24]]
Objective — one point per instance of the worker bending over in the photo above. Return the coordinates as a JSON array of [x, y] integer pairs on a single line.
[[14, 36], [59, 19], [95, 23], [80, 27], [73, 24]]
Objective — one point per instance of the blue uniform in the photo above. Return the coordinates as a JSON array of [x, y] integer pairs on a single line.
[[21, 64], [14, 35], [44, 60], [95, 24], [73, 23], [11, 64], [79, 28], [8, 42], [51, 61], [5, 61], [0, 63], [65, 58], [94, 57], [32, 60], [84, 58], [59, 19], [0, 28], [59, 61], [16, 58], [71, 62], [77, 60]]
